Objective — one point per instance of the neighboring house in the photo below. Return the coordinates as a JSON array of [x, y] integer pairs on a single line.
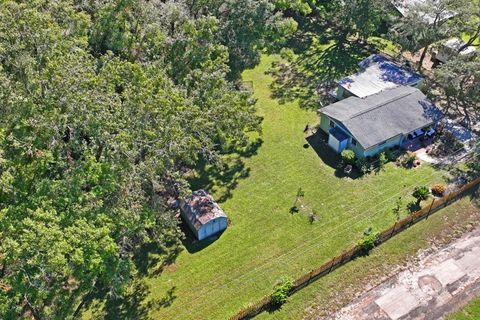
[[403, 6], [451, 48], [377, 73], [203, 215], [386, 119]]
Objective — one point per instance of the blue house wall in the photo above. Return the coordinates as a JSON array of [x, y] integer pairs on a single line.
[[360, 152]]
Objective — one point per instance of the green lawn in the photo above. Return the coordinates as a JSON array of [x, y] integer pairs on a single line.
[[321, 297], [469, 312], [265, 241]]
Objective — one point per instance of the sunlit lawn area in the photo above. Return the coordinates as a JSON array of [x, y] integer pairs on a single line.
[[265, 241], [469, 312], [321, 297]]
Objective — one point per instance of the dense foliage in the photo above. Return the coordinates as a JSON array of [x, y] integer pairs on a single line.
[[281, 291], [105, 106]]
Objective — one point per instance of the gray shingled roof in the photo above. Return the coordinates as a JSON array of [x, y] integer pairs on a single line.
[[384, 115]]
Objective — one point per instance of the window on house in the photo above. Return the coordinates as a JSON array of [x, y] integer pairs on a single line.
[[332, 124], [354, 142]]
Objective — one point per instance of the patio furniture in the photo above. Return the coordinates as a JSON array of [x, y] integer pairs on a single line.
[[419, 132]]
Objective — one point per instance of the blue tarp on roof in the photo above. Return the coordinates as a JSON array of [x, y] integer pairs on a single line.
[[378, 73]]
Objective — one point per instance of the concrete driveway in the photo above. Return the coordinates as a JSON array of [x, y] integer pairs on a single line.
[[439, 284]]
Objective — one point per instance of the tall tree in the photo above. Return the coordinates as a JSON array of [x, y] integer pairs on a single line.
[[100, 122], [459, 82], [424, 24]]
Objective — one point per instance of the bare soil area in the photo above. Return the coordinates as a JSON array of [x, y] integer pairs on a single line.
[[439, 283]]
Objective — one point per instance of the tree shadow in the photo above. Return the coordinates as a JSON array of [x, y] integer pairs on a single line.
[[152, 258], [310, 75], [223, 179]]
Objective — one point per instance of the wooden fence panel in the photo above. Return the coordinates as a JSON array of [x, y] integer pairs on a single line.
[[350, 254]]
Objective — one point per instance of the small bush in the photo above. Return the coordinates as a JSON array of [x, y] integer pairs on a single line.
[[382, 160], [421, 193], [368, 241], [439, 189], [363, 165], [348, 156], [281, 291], [410, 158], [390, 154]]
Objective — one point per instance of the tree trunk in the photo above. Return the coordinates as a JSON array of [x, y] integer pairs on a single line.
[[422, 57]]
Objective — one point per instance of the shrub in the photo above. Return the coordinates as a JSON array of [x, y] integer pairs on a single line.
[[382, 160], [368, 241], [439, 189], [362, 165], [410, 158], [281, 291], [421, 193], [390, 154], [348, 156]]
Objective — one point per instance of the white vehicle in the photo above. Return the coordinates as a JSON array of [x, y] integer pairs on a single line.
[[451, 47]]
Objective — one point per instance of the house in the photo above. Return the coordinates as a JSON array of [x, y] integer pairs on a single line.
[[451, 48], [376, 73], [385, 119], [404, 6], [203, 215]]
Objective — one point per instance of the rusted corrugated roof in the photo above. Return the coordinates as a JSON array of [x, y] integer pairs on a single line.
[[200, 208]]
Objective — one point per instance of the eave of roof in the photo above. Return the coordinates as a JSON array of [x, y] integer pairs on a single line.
[[384, 115]]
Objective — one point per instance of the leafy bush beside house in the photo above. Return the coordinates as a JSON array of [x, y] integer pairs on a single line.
[[348, 156]]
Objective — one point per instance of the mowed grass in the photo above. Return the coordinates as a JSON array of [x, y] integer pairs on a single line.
[[265, 241], [470, 312], [342, 286]]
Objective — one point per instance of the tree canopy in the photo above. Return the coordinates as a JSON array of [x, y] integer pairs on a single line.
[[106, 105]]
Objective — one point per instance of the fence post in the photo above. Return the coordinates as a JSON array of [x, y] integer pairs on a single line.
[[411, 220], [430, 209], [393, 231]]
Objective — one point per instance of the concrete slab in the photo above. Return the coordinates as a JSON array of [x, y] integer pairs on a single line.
[[447, 272], [397, 302], [470, 262]]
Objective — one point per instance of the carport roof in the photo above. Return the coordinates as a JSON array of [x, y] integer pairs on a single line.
[[378, 73]]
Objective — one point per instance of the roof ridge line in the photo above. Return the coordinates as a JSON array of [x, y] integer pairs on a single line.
[[378, 105]]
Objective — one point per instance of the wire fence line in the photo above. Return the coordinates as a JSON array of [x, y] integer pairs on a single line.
[[356, 250], [350, 210], [310, 244], [269, 263]]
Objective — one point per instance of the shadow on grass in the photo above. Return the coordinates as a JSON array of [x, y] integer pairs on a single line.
[[132, 303], [191, 243], [319, 142], [151, 259], [223, 179], [311, 74]]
